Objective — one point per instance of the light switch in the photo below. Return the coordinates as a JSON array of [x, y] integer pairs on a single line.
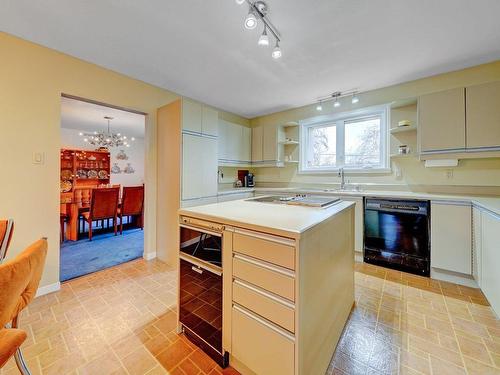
[[38, 157]]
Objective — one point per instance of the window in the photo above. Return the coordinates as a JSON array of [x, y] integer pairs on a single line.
[[355, 140]]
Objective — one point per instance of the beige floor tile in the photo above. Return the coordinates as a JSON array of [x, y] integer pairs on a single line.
[[139, 362], [440, 367]]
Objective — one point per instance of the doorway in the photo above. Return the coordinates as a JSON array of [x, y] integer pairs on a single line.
[[102, 186]]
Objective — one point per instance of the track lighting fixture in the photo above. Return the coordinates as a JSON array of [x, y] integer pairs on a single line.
[[258, 11], [335, 97], [264, 39]]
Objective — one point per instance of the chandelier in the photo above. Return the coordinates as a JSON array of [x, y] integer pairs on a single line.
[[107, 138]]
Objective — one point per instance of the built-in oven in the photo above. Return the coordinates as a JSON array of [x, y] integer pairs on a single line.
[[396, 234], [200, 285]]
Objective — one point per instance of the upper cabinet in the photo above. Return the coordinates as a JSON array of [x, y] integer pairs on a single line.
[[209, 121], [199, 118], [441, 121], [257, 144], [234, 144], [483, 116], [266, 150]]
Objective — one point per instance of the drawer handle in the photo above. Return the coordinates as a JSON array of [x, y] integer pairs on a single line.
[[196, 269]]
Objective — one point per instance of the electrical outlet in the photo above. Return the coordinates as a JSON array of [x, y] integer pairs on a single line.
[[449, 174]]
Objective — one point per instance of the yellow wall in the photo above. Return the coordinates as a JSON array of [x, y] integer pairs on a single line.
[[32, 79], [478, 172]]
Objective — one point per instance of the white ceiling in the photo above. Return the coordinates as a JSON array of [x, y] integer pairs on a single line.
[[200, 49], [88, 117]]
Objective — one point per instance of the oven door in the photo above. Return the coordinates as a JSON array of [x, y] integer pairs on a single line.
[[397, 234]]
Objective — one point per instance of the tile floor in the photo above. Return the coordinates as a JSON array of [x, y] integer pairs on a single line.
[[122, 320]]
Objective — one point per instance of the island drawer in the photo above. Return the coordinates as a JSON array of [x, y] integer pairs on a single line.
[[265, 304], [263, 348], [265, 276], [273, 249]]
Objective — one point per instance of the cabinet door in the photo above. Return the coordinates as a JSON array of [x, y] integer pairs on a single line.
[[270, 143], [246, 146], [490, 260], [209, 164], [358, 223], [223, 140], [209, 121], [476, 244], [451, 237], [199, 167], [441, 121], [257, 137], [191, 115], [483, 115], [192, 160]]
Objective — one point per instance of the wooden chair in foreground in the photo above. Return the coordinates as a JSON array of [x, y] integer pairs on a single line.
[[103, 205], [132, 204], [6, 230], [19, 280]]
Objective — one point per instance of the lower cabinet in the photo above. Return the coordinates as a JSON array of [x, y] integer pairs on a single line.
[[358, 222], [451, 236], [490, 261], [262, 347]]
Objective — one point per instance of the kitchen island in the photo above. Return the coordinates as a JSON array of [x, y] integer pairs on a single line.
[[287, 282]]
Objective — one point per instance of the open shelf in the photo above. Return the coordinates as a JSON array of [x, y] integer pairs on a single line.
[[403, 129], [290, 124], [289, 142], [402, 156], [291, 162]]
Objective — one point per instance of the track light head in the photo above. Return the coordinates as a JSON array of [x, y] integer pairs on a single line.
[[319, 107], [250, 20], [239, 2], [264, 39], [276, 54], [354, 99]]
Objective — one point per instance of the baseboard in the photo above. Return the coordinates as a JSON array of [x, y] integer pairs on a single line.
[[149, 256], [43, 290], [453, 277]]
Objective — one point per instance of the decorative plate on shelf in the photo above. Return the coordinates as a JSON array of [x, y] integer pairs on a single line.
[[103, 174], [66, 174], [116, 169], [66, 186], [81, 173], [122, 155], [92, 173]]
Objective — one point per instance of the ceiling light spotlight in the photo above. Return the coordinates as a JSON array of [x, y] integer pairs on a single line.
[[355, 98], [276, 51], [264, 39], [250, 20], [239, 2], [319, 107], [336, 103]]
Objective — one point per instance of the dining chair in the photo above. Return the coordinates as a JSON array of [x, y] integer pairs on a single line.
[[103, 205], [132, 204], [19, 281], [6, 230]]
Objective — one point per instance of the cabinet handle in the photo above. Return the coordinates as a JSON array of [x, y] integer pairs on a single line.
[[196, 269]]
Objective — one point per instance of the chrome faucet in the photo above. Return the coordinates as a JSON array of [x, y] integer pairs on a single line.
[[342, 178]]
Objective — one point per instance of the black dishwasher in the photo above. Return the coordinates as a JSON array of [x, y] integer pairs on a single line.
[[396, 234]]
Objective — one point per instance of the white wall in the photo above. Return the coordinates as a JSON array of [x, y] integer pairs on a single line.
[[135, 153]]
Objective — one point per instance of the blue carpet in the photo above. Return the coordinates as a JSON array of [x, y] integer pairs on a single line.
[[82, 257]]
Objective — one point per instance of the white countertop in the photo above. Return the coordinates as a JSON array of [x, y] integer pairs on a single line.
[[279, 219], [488, 203]]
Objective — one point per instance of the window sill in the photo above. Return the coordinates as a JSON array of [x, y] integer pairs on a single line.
[[347, 171]]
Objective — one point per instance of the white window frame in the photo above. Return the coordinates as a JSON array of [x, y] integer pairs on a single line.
[[339, 119]]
